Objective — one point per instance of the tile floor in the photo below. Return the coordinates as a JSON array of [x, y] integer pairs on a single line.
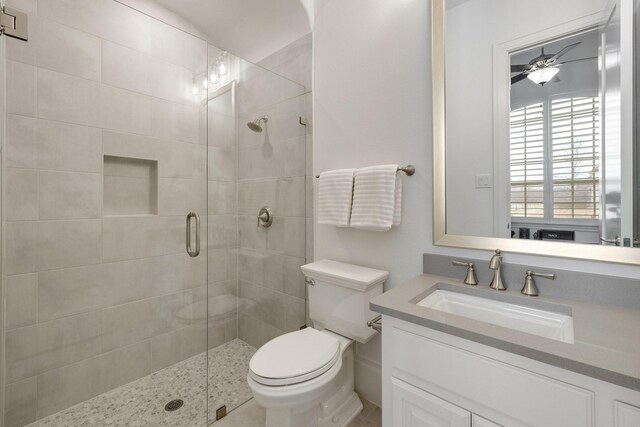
[[141, 403], [252, 415]]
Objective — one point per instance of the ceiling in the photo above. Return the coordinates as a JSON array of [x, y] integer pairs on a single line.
[[251, 29]]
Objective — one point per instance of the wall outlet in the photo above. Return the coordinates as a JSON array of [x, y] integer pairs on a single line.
[[483, 180]]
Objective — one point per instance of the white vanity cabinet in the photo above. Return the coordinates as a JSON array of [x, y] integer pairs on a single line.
[[626, 415], [431, 378]]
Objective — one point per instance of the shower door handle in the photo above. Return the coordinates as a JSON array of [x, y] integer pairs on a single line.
[[193, 252]]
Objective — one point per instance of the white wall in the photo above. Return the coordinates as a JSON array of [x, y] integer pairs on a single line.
[[372, 103], [372, 106]]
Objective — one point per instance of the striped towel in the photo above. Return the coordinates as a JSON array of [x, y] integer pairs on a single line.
[[377, 198], [335, 193]]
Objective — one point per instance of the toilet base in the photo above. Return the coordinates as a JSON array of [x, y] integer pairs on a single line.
[[345, 414], [314, 417]]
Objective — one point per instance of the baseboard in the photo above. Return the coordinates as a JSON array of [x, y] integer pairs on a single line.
[[369, 380]]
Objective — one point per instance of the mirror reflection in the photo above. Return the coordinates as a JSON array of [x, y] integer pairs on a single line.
[[540, 121]]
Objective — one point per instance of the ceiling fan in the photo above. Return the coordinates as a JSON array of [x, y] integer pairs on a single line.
[[543, 68]]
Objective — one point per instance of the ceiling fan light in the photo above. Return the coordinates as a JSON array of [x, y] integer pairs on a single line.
[[543, 75]]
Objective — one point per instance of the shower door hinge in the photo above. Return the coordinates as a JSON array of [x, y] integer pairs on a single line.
[[14, 23]]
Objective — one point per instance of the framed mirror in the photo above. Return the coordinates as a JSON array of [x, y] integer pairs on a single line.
[[535, 111]]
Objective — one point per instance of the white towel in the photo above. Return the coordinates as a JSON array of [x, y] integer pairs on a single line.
[[335, 193], [377, 198], [397, 208]]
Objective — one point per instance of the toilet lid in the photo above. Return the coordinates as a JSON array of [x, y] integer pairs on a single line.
[[294, 357]]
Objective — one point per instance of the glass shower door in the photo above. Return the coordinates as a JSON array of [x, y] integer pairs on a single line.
[[257, 160], [105, 155]]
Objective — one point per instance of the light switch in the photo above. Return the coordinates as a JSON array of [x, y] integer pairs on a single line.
[[483, 180]]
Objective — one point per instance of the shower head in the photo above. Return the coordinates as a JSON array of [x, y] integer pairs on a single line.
[[255, 125]]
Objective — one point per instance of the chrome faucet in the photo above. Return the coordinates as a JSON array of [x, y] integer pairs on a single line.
[[530, 287], [496, 265]]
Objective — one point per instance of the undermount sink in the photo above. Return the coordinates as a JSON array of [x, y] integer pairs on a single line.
[[548, 324]]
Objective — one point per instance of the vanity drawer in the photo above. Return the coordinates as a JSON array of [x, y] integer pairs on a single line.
[[506, 394]]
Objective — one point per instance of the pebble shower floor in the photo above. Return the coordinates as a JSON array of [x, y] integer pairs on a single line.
[[142, 403]]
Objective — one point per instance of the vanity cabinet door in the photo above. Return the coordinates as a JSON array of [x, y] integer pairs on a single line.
[[478, 421], [626, 415], [412, 407]]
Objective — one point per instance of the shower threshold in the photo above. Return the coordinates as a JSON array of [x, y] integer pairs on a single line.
[[142, 402]]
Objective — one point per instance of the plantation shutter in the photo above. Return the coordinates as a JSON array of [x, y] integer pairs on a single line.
[[575, 154], [527, 161]]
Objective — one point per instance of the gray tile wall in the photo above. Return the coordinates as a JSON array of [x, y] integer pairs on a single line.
[[96, 297], [275, 171], [294, 61]]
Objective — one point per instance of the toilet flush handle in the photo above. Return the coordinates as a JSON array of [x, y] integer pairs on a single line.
[[376, 324]]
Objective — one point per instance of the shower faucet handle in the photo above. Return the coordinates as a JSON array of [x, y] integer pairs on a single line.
[[470, 278], [265, 217]]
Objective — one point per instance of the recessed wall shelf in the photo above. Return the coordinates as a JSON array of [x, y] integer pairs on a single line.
[[130, 186]]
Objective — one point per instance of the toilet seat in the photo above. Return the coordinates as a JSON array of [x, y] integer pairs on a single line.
[[294, 358]]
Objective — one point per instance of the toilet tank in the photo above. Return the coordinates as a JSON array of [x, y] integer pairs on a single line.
[[339, 295]]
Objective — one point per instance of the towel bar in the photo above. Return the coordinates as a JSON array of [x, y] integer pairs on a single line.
[[408, 170]]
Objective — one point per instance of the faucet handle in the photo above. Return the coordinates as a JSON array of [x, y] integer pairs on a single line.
[[470, 278], [530, 287]]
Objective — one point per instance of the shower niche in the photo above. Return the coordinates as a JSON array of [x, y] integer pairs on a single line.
[[130, 186]]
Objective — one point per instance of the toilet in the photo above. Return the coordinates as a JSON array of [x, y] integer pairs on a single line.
[[306, 378]]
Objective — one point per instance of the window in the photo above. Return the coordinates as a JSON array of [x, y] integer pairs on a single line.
[[555, 152]]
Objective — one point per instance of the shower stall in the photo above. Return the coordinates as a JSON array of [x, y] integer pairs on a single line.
[[136, 279]]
